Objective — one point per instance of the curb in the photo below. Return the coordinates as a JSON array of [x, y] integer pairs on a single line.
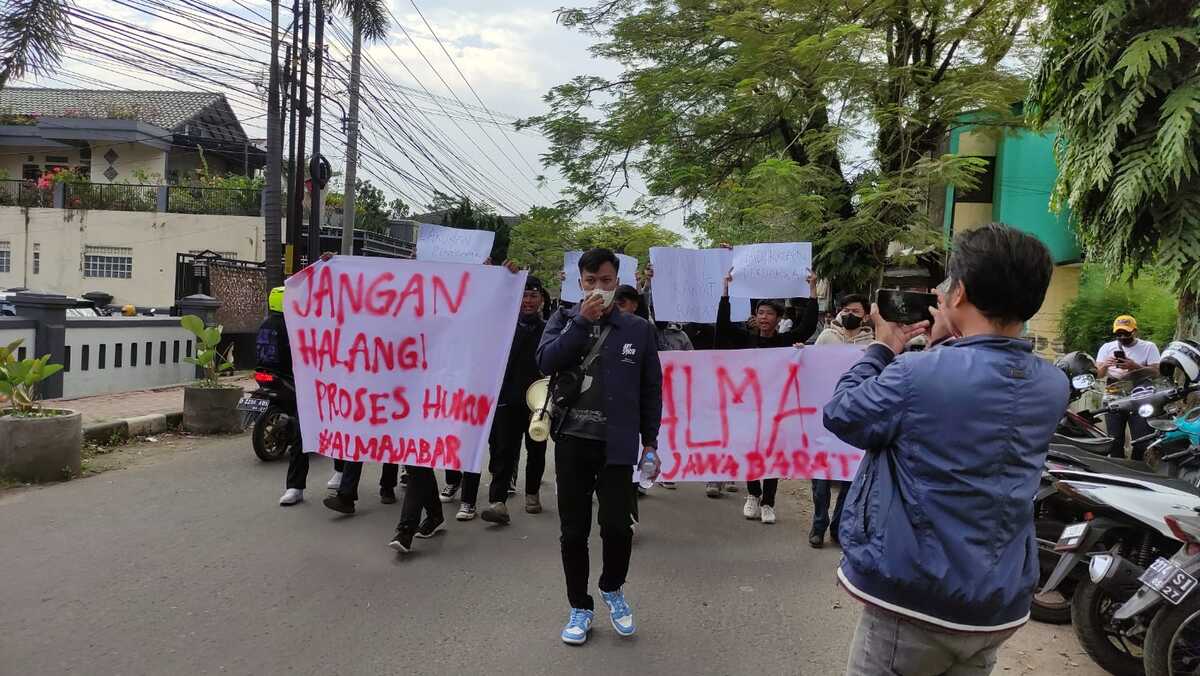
[[142, 425]]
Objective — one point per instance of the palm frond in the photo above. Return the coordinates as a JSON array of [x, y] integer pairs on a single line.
[[32, 36]]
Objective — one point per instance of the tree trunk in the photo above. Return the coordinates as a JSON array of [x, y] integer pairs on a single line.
[[352, 138], [272, 227], [1187, 326]]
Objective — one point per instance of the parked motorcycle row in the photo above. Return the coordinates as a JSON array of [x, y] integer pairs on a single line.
[[1119, 540]]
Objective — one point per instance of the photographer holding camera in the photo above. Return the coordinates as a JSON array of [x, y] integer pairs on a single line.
[[937, 533], [607, 395]]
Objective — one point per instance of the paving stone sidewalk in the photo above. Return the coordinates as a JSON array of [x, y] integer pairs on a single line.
[[108, 408]]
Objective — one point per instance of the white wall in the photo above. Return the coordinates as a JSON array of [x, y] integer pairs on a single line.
[[168, 343], [12, 159], [62, 236], [130, 158], [9, 335]]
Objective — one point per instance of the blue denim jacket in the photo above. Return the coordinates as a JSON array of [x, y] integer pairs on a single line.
[[938, 524], [632, 375]]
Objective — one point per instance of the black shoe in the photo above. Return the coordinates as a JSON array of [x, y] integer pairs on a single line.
[[339, 504], [402, 542], [429, 527], [816, 541], [404, 478], [387, 496]]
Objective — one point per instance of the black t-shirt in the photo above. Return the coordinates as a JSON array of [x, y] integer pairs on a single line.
[[271, 345], [587, 419]]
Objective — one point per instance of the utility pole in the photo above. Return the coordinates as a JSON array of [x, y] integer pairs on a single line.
[[296, 218], [348, 211], [293, 65], [272, 227], [314, 222]]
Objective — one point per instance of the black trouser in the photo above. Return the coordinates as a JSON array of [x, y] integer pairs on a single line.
[[421, 494], [509, 427], [764, 490], [822, 492], [1115, 424], [297, 471], [353, 473], [469, 482], [581, 468]]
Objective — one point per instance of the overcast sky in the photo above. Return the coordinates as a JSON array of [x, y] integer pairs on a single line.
[[510, 52]]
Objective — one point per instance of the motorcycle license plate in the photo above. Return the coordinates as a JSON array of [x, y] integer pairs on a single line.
[[1071, 537], [252, 404], [1169, 580]]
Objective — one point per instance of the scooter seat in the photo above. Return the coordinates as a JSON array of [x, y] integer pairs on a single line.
[[1092, 444]]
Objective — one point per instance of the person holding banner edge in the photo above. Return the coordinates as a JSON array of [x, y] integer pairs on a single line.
[[607, 397], [763, 332]]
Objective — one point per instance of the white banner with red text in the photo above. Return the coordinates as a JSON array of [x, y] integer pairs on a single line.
[[399, 361], [743, 415]]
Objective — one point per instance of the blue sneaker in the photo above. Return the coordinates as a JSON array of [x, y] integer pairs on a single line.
[[578, 626], [619, 612]]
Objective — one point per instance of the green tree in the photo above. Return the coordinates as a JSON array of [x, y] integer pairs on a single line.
[[32, 37], [538, 242], [624, 236], [1121, 82], [1087, 320], [723, 104]]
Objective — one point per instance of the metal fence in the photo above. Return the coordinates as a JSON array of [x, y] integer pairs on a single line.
[[15, 193], [110, 197], [214, 201]]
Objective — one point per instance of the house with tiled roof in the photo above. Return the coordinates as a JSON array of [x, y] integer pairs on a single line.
[[115, 136]]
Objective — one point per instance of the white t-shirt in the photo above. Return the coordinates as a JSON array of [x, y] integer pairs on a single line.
[[1143, 352]]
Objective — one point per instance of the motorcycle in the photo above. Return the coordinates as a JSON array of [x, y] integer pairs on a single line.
[[271, 410], [1124, 522], [1165, 601], [1053, 513]]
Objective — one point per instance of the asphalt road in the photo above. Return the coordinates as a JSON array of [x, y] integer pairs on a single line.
[[186, 565]]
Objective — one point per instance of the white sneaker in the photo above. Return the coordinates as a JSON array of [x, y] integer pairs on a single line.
[[752, 510], [768, 514], [335, 481], [291, 496]]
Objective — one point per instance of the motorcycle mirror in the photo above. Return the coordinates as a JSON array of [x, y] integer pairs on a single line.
[[1083, 382], [1163, 425]]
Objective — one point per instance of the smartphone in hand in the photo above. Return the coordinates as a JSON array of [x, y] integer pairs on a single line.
[[905, 307]]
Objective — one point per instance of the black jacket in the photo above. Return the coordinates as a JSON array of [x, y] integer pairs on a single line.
[[522, 369], [632, 375], [272, 347], [732, 336]]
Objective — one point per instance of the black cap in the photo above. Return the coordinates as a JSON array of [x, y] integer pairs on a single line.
[[533, 284]]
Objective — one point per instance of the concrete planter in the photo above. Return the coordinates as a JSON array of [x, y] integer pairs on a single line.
[[211, 410], [41, 449]]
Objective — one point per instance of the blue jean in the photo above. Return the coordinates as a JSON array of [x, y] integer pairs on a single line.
[[822, 491]]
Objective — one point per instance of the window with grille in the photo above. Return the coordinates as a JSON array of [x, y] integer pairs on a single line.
[[5, 257], [112, 262]]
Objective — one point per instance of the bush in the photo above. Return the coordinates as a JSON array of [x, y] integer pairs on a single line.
[[1087, 320]]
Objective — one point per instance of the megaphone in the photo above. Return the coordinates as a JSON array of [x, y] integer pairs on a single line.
[[537, 397]]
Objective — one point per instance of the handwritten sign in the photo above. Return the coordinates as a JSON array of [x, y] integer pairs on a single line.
[[627, 274], [688, 284], [438, 243], [771, 270], [742, 415], [390, 361]]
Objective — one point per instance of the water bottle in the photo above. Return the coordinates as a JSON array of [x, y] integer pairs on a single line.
[[647, 469]]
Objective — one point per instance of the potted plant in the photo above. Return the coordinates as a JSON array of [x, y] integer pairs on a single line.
[[210, 407], [36, 443]]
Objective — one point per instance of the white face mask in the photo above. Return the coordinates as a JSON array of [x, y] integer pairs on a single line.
[[607, 296]]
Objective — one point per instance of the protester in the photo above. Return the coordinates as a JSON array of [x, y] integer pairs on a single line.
[[273, 353], [468, 482], [608, 394], [511, 422], [1126, 361], [347, 486], [763, 331], [420, 496], [937, 535], [850, 327]]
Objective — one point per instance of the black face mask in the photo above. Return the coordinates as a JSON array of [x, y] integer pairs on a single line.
[[850, 322]]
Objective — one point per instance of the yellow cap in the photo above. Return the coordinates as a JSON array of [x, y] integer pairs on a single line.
[[1125, 323]]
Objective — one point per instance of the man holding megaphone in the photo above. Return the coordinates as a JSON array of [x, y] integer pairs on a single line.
[[607, 408]]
